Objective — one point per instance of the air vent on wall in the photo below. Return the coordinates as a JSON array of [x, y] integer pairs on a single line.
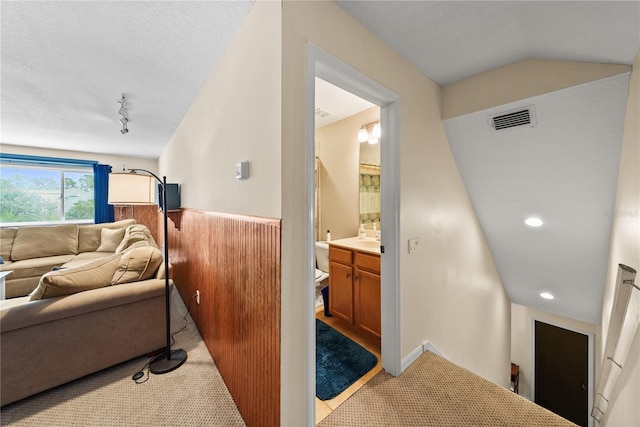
[[514, 118]]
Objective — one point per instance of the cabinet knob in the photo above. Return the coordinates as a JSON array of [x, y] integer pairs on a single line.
[[348, 275]]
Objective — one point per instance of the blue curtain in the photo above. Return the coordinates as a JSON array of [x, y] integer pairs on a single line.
[[103, 210]]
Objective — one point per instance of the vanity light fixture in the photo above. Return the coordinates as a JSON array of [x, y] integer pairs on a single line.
[[533, 222], [376, 131], [370, 133], [546, 295], [363, 135]]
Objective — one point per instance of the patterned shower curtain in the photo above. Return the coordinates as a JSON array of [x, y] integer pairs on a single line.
[[369, 194]]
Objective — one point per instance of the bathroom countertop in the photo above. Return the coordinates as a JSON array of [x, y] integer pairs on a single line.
[[368, 244]]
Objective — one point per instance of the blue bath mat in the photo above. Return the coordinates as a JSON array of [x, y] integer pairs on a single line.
[[339, 361]]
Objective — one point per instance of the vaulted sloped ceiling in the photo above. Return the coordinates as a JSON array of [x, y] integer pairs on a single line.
[[564, 170]]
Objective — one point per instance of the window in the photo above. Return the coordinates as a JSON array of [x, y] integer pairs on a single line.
[[35, 191]]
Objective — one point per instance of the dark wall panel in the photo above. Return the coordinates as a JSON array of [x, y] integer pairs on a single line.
[[234, 261]]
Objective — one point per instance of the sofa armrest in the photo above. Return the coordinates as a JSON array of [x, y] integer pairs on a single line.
[[16, 315]]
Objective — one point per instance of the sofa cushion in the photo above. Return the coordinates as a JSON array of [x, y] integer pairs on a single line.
[[136, 233], [6, 242], [92, 275], [37, 242], [140, 262], [89, 235], [110, 239], [86, 257], [35, 267]]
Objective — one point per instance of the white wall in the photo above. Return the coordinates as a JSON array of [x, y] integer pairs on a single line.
[[522, 338], [235, 117], [624, 406], [451, 294], [115, 161]]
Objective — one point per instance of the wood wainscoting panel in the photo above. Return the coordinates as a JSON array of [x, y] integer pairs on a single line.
[[234, 261], [148, 215]]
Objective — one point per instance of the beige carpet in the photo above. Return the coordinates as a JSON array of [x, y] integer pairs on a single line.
[[192, 395], [435, 392]]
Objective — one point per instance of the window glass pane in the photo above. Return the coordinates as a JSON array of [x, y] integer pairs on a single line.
[[45, 194], [78, 196]]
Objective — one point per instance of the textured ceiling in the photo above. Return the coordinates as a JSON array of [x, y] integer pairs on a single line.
[[452, 40], [563, 170], [65, 64]]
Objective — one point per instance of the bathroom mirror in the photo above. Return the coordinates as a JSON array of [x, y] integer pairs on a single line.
[[370, 185]]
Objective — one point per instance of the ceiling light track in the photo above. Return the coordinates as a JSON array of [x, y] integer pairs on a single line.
[[124, 112]]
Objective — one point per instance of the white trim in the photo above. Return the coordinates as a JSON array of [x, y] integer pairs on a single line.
[[427, 346], [590, 361], [336, 72], [310, 162], [419, 351], [412, 357]]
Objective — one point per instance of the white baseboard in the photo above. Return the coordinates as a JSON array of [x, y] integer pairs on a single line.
[[417, 352], [407, 361], [427, 346]]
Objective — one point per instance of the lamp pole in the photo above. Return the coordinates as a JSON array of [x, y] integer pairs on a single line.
[[172, 359]]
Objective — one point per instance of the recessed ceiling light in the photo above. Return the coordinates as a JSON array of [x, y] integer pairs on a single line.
[[533, 222], [546, 295]]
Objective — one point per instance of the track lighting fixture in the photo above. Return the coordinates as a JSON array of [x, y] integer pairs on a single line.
[[124, 113]]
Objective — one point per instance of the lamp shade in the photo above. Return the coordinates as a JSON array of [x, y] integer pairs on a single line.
[[131, 189]]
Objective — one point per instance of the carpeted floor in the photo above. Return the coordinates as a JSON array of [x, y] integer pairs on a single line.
[[436, 392], [192, 395]]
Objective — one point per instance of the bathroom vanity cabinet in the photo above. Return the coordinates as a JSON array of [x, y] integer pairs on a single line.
[[354, 288]]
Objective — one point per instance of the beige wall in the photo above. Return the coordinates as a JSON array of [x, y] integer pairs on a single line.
[[451, 294], [625, 249], [522, 338], [235, 117], [338, 149], [520, 80], [115, 161]]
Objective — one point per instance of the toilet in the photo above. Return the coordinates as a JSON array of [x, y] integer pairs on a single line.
[[322, 270]]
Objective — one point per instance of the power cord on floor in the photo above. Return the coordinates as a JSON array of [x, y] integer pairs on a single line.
[[137, 377]]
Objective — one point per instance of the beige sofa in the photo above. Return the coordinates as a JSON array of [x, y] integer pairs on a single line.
[[91, 315], [30, 252]]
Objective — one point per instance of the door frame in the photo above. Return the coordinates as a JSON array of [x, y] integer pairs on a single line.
[[325, 66], [590, 361]]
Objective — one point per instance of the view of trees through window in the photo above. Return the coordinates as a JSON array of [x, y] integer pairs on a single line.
[[40, 194]]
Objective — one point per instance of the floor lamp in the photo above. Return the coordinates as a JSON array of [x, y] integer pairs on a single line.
[[133, 188]]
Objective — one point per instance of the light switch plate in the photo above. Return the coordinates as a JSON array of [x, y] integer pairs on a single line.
[[242, 170], [414, 245]]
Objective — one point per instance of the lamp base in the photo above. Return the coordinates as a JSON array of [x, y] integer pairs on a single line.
[[162, 365]]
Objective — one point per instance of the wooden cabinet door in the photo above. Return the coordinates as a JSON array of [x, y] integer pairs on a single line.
[[341, 291], [367, 302]]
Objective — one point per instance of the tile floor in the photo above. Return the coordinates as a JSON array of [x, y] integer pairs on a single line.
[[325, 407]]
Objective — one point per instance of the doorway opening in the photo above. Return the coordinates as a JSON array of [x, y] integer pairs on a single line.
[[347, 212], [324, 66]]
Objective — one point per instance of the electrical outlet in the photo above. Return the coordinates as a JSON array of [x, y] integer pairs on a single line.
[[198, 297], [414, 245]]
